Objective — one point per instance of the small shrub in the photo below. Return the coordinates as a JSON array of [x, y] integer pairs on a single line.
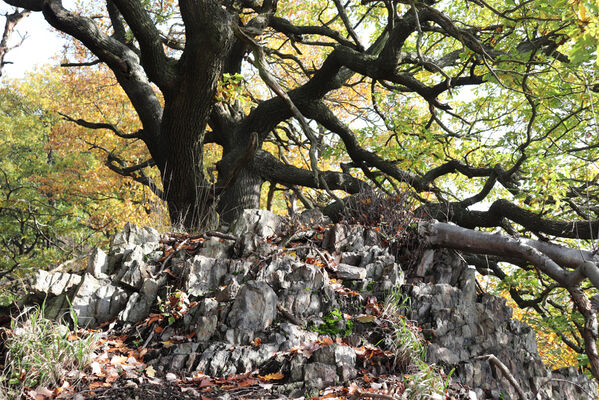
[[40, 352], [392, 216], [335, 324], [422, 381]]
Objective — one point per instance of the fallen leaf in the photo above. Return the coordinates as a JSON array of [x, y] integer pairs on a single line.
[[327, 340], [96, 368], [41, 393], [206, 382], [118, 360], [273, 377], [112, 376], [364, 319], [171, 377], [247, 382], [150, 371], [96, 385]]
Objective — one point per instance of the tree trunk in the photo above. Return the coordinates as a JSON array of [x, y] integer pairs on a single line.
[[241, 194], [182, 133]]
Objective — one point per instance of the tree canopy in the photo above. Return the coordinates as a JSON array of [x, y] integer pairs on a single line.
[[486, 111]]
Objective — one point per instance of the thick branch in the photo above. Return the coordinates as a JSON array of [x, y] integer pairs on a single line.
[[273, 170], [155, 62], [31, 5], [284, 26], [502, 208]]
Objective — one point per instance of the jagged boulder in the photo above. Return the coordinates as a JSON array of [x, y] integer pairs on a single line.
[[254, 309]]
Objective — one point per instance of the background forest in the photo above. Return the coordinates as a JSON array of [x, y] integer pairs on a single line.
[[489, 108]]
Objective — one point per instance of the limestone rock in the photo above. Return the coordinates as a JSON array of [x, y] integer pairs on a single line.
[[254, 309], [345, 271], [261, 222], [204, 275], [110, 300], [134, 269], [319, 375], [217, 248], [137, 308], [97, 264], [342, 357], [314, 216], [54, 284], [84, 302], [132, 236]]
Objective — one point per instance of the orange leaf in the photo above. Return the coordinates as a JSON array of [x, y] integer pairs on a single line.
[[327, 340], [276, 376], [95, 385]]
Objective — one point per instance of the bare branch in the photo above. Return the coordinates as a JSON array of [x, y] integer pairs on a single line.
[[104, 125]]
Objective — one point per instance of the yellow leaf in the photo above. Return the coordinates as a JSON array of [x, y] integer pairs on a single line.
[[364, 319], [118, 360], [150, 371], [273, 377]]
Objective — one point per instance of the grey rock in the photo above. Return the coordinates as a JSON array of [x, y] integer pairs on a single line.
[[97, 264], [134, 269], [229, 292], [206, 327], [186, 348], [275, 273], [335, 354], [57, 307], [314, 216], [204, 275], [84, 301], [150, 287], [254, 308], [132, 236], [308, 277], [261, 222], [296, 367], [110, 300], [137, 308], [218, 364], [443, 355], [177, 363], [351, 258], [343, 357], [294, 336], [217, 248], [345, 271], [319, 375], [54, 284]]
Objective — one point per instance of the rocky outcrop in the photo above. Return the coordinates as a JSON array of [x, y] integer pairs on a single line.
[[303, 302]]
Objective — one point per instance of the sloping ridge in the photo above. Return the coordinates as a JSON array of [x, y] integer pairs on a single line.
[[298, 308]]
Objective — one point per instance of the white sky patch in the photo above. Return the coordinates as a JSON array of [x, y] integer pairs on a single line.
[[41, 44]]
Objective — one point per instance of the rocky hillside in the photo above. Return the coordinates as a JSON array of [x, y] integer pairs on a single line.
[[287, 309]]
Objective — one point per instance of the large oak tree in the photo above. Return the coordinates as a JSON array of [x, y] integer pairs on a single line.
[[484, 109]]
